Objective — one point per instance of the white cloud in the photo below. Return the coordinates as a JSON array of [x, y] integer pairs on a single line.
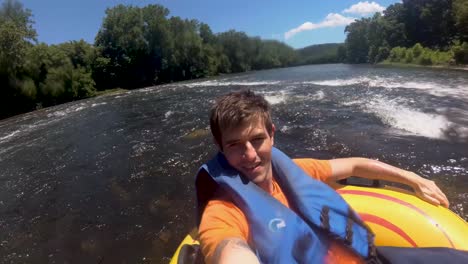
[[364, 8], [332, 20]]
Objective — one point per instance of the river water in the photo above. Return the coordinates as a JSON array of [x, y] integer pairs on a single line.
[[110, 179]]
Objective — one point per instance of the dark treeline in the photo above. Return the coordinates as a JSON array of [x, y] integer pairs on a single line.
[[135, 47], [321, 53], [415, 31]]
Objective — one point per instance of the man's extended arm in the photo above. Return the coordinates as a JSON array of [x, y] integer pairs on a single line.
[[372, 169], [234, 250]]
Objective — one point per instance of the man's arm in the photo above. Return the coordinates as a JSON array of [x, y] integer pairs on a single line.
[[372, 169], [234, 250]]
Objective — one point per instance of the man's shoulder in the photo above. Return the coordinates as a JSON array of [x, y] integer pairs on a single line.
[[221, 197], [316, 168], [222, 210]]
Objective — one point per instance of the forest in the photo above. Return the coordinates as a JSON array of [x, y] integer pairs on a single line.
[[143, 46], [425, 32], [135, 47]]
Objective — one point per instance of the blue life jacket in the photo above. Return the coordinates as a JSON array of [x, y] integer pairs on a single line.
[[279, 234]]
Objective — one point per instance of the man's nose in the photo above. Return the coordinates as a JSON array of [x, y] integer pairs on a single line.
[[250, 153]]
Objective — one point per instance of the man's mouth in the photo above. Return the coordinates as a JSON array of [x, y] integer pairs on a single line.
[[252, 167]]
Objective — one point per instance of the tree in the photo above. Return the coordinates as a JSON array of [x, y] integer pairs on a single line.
[[16, 36], [206, 34], [188, 59], [357, 45], [235, 46], [135, 44], [58, 74], [341, 53], [376, 40], [394, 27], [67, 83], [429, 22], [81, 53], [460, 11]]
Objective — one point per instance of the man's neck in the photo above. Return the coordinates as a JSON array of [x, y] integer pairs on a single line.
[[267, 184]]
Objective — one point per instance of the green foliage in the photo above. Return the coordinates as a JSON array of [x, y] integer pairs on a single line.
[[321, 53], [394, 27], [81, 53], [417, 50], [460, 52], [409, 57], [460, 11], [420, 55], [357, 45], [188, 59], [28, 88], [236, 47], [273, 54], [429, 22], [414, 31], [341, 53], [58, 72], [397, 54], [16, 36], [135, 47], [424, 59], [67, 83], [382, 54], [135, 44]]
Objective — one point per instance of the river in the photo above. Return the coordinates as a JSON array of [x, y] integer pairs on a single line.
[[110, 179]]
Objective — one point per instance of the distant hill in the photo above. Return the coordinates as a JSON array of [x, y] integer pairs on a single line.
[[321, 53]]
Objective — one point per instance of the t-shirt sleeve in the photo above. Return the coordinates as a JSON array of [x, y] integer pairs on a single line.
[[220, 220], [317, 169]]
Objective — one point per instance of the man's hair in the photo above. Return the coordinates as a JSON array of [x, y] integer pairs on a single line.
[[236, 108]]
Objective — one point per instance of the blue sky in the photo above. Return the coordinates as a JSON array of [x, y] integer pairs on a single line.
[[298, 23]]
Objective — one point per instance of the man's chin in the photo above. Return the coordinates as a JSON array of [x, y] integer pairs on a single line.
[[258, 179]]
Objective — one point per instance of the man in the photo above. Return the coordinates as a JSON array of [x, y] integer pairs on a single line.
[[256, 205]]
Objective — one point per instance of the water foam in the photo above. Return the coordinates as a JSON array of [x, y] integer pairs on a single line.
[[275, 98], [339, 82], [168, 114], [52, 118], [407, 119], [9, 136], [450, 88], [97, 104], [68, 110], [319, 95], [230, 83]]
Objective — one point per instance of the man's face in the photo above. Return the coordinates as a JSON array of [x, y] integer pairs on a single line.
[[247, 148]]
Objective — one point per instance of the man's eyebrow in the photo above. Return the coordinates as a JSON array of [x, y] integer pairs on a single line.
[[232, 141], [259, 134], [256, 135]]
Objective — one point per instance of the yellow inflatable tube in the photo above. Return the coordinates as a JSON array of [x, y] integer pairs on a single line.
[[397, 218]]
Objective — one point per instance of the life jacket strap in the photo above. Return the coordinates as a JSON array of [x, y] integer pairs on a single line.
[[372, 258], [349, 231], [325, 218]]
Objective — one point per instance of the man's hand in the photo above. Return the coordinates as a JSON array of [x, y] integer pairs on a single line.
[[234, 251], [427, 190]]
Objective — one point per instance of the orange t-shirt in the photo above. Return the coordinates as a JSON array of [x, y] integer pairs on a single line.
[[222, 219]]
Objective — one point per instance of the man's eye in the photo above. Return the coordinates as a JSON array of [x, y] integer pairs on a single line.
[[233, 145], [259, 139]]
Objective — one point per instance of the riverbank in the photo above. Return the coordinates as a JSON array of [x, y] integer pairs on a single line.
[[412, 65], [110, 92]]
